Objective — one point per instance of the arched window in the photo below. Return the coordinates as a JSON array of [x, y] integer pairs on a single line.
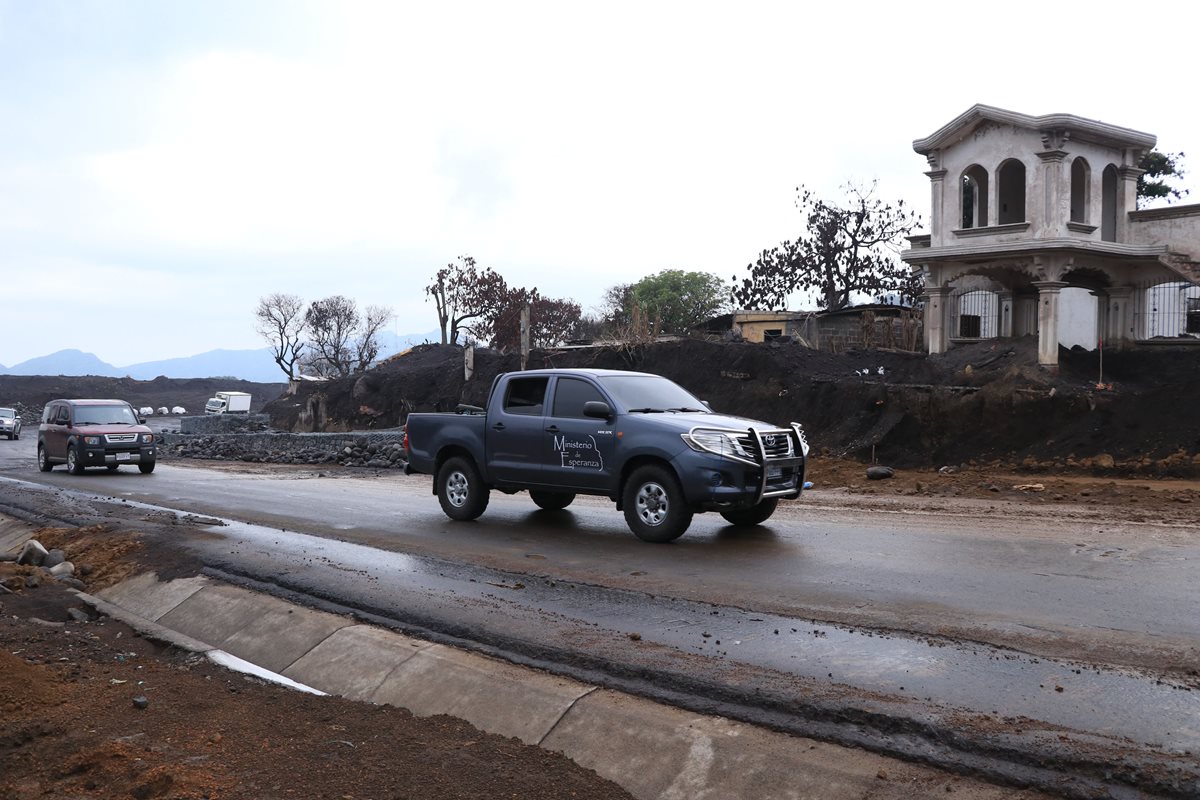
[[1081, 176], [1010, 180], [975, 197], [1108, 204]]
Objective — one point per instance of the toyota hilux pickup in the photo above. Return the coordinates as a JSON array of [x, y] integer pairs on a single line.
[[93, 433], [641, 440]]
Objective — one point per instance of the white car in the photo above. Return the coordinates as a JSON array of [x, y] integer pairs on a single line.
[[145, 411], [178, 410], [163, 411]]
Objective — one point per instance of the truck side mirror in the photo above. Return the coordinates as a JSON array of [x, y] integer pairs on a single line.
[[597, 408]]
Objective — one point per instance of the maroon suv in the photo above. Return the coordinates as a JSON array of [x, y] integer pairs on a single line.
[[93, 433]]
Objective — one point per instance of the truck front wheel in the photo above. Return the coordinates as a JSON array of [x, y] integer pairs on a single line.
[[753, 515], [654, 506], [460, 489]]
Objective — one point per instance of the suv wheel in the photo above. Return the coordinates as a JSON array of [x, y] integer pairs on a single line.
[[43, 460], [654, 506], [74, 464], [146, 467]]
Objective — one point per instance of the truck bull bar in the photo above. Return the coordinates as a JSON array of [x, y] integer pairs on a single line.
[[778, 448]]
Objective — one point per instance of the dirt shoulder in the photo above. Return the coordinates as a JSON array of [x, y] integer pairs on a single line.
[[92, 709]]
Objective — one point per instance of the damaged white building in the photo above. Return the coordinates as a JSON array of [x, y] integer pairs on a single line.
[[1034, 229]]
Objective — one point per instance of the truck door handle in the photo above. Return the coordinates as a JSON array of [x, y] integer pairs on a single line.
[[552, 429], [499, 426]]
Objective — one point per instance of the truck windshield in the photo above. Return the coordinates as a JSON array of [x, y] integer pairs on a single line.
[[650, 393], [7, 413], [104, 415]]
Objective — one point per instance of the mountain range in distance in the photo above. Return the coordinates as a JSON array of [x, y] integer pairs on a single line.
[[257, 366]]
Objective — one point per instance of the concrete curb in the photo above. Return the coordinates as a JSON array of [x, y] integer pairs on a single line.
[[655, 752]]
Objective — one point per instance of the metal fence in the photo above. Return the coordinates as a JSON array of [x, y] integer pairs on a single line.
[[974, 314], [1166, 311]]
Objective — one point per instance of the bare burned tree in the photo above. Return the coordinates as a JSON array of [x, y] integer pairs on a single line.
[[366, 345], [843, 250], [463, 292], [550, 320], [332, 323], [281, 321]]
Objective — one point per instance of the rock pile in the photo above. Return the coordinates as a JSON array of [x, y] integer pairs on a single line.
[[364, 453], [52, 564], [376, 451]]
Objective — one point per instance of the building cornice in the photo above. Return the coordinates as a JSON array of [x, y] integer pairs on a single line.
[[991, 230], [1033, 247], [1078, 127], [1167, 212]]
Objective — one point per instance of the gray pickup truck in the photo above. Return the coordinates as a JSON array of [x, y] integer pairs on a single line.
[[638, 439]]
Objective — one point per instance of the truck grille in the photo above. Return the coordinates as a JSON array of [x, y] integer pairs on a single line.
[[120, 438], [776, 444]]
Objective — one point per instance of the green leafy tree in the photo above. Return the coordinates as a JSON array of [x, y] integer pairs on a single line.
[[1160, 168], [676, 299], [844, 250]]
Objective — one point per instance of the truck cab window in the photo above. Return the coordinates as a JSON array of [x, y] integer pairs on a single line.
[[526, 396], [570, 394]]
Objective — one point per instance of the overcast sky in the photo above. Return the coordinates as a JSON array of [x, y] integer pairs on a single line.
[[164, 163]]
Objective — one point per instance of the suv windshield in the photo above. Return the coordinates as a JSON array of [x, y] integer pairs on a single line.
[[7, 413], [104, 415], [650, 393]]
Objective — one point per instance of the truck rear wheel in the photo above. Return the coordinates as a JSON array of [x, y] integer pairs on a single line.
[[654, 506], [551, 501], [460, 489], [754, 515]]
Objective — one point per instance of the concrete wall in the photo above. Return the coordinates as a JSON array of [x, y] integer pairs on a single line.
[[1177, 227]]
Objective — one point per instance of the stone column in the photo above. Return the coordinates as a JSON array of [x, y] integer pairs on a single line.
[[1055, 201], [937, 326], [1004, 326], [1126, 199], [1048, 294], [1118, 332], [937, 185]]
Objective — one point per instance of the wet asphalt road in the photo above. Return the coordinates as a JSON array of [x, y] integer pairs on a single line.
[[730, 614]]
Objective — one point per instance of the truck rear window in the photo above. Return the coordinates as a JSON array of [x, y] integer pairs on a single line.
[[526, 396]]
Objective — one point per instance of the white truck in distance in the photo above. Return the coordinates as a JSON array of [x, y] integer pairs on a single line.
[[228, 403]]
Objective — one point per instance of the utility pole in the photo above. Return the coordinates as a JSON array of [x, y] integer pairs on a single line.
[[524, 336]]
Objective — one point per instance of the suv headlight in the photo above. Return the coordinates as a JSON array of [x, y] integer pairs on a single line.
[[92, 440], [147, 438]]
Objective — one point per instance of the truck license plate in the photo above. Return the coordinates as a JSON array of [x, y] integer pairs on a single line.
[[122, 456], [774, 473]]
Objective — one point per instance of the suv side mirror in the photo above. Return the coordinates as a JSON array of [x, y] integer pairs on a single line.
[[597, 408]]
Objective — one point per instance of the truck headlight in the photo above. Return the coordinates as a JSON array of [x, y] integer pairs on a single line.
[[715, 442]]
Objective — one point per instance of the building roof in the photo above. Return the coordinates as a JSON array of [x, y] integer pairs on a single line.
[[1079, 127]]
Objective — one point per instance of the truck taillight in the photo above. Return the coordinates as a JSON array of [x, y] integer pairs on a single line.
[[407, 446]]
